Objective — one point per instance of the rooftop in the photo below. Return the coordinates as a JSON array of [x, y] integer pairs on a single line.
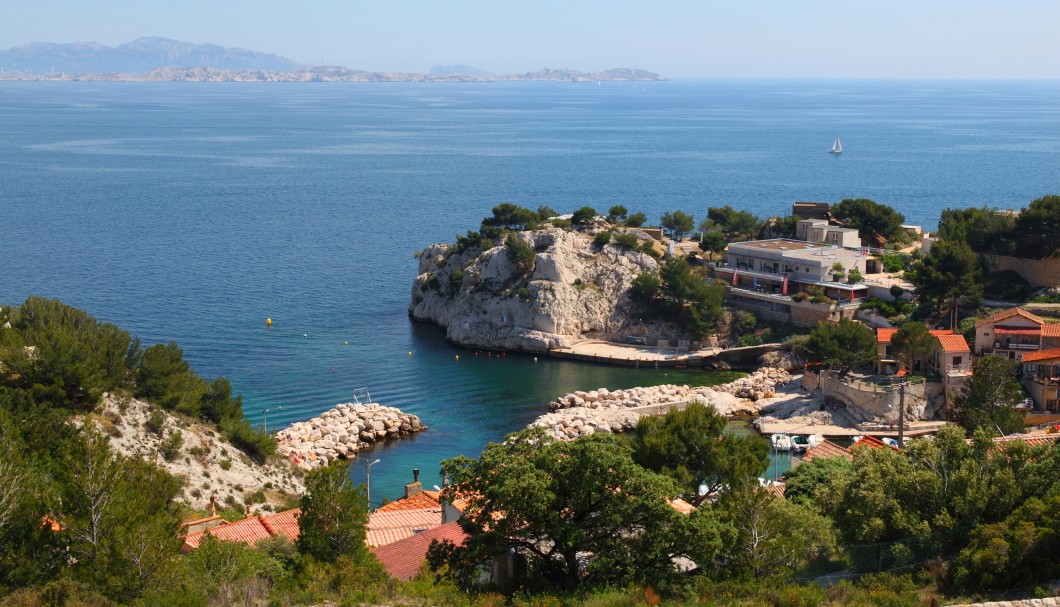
[[388, 527], [1049, 354], [825, 450], [403, 558], [250, 530], [999, 316], [797, 249]]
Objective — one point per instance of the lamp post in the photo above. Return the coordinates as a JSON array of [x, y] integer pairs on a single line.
[[368, 480], [266, 412]]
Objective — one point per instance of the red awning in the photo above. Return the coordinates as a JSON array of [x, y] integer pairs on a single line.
[[1001, 331]]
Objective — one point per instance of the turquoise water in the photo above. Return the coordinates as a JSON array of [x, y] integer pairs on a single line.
[[191, 212]]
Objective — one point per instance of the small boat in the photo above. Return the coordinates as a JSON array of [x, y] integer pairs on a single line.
[[781, 442], [804, 442], [837, 147]]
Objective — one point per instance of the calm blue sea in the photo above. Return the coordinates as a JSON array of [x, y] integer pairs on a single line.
[[191, 212]]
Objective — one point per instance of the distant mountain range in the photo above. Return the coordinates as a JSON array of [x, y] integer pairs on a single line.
[[162, 59]]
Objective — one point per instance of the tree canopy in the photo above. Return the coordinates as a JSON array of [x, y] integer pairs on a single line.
[[872, 219], [334, 515], [910, 342], [678, 223], [735, 225], [1038, 227], [990, 397], [554, 502], [691, 447], [845, 345], [511, 216], [948, 277]]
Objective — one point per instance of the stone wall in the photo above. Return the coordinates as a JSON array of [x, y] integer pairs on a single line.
[[809, 315], [870, 401], [342, 431], [1043, 272]]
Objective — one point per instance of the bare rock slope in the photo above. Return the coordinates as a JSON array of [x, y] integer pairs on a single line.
[[574, 291]]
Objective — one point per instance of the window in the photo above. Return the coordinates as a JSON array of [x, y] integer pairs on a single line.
[[958, 360]]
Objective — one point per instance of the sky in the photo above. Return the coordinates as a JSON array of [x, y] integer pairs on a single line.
[[675, 38]]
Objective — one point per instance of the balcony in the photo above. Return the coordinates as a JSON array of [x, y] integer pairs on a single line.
[[1003, 346]]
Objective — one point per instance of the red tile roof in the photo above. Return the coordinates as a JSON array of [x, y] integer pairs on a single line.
[[250, 530], [1009, 314], [403, 558], [953, 343], [681, 505], [776, 489], [940, 332], [388, 527], [283, 523], [1030, 439], [1051, 330], [884, 335], [416, 501], [825, 450], [1030, 357], [871, 442]]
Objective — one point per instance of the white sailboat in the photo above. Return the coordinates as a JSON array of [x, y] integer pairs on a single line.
[[837, 147]]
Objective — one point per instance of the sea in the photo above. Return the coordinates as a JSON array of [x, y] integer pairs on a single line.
[[191, 212]]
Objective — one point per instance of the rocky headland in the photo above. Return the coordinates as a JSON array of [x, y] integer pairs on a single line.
[[584, 413], [342, 431], [574, 291]]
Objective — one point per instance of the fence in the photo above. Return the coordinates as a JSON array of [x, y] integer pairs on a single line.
[[856, 560]]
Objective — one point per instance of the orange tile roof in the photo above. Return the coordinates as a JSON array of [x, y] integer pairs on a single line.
[[825, 450], [1030, 357], [872, 442], [250, 530], [388, 527], [1030, 439], [200, 521], [283, 523], [953, 343], [681, 505], [940, 332], [1009, 314], [884, 335], [403, 558], [416, 501], [1051, 330], [776, 489]]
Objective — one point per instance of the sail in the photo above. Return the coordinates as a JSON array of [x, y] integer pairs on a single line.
[[837, 147]]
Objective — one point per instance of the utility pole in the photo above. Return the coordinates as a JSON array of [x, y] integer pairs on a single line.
[[901, 415]]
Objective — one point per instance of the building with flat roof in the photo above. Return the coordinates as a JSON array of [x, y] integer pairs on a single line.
[[767, 276]]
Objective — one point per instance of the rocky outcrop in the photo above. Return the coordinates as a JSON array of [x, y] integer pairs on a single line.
[[205, 462], [584, 413], [574, 291], [342, 431]]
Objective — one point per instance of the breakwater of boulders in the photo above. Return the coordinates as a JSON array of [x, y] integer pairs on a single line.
[[342, 431], [584, 413]]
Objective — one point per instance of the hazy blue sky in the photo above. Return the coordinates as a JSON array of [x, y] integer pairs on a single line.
[[677, 38]]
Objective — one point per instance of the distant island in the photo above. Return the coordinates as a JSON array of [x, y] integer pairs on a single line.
[[166, 60]]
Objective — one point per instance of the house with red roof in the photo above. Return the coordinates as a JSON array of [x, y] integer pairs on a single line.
[[249, 531], [1041, 378], [1014, 332], [404, 558], [950, 358]]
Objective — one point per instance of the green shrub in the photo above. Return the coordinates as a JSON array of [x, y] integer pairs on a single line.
[[156, 421], [255, 443], [225, 464], [170, 446], [520, 252], [626, 241], [602, 239]]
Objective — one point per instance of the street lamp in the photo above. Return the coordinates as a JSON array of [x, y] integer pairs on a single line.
[[368, 480], [266, 412]]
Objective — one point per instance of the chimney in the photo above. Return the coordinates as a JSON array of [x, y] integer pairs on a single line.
[[414, 487], [213, 505]]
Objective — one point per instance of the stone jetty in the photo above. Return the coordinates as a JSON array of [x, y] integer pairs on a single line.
[[342, 431], [583, 413]]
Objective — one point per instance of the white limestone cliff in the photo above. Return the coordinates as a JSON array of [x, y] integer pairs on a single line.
[[575, 290]]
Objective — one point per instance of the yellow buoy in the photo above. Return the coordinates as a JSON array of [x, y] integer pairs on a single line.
[[410, 353], [345, 343], [458, 357], [268, 322]]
